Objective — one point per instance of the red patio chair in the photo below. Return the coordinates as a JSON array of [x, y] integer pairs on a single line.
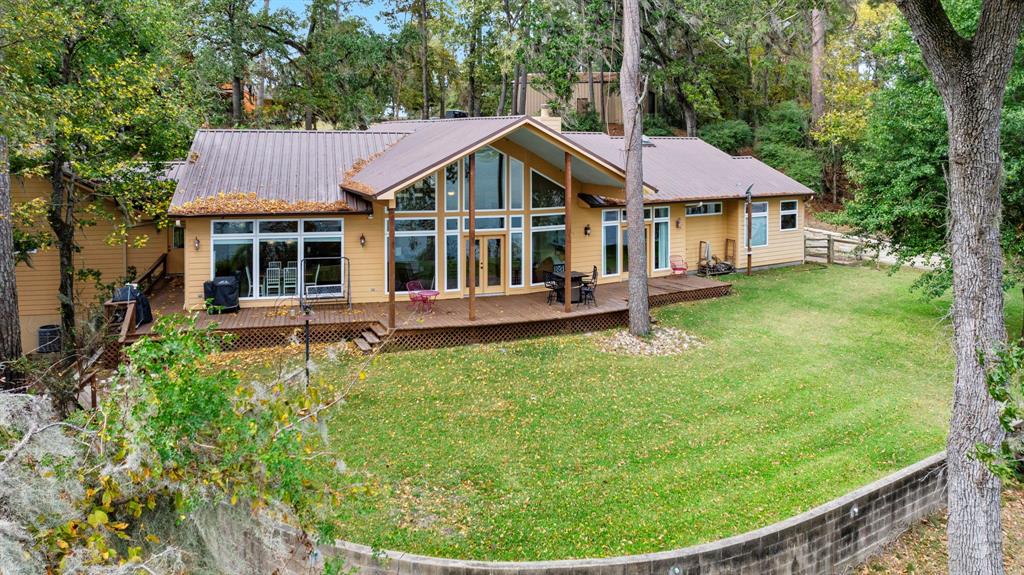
[[416, 298], [678, 265]]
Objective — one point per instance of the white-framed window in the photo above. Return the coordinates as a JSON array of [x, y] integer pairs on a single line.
[[647, 214], [485, 223], [610, 240], [274, 258], [452, 262], [547, 245], [490, 180], [420, 197], [515, 184], [704, 209], [662, 240], [451, 186], [515, 252], [544, 192], [416, 252], [758, 225], [789, 211]]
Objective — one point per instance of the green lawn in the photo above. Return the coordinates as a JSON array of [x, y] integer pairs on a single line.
[[813, 382]]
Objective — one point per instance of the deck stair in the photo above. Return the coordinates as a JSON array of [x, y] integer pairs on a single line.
[[371, 338]]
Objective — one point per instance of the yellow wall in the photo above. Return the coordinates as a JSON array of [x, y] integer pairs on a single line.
[[368, 262], [783, 247], [38, 284]]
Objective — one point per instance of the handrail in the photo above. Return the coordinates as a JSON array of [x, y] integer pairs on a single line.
[[147, 281]]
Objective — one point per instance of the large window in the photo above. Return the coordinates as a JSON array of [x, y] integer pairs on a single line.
[[419, 197], [451, 254], [451, 187], [704, 209], [515, 251], [490, 180], [280, 258], [789, 209], [415, 252], [661, 239], [515, 184], [610, 242], [545, 193], [758, 225], [547, 246]]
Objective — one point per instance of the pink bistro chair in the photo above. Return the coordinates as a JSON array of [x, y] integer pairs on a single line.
[[678, 265], [416, 297]]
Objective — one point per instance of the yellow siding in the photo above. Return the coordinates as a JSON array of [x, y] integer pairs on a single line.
[[784, 247], [38, 284], [713, 229]]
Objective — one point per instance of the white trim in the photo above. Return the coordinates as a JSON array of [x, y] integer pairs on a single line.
[[765, 215], [666, 219], [617, 224], [794, 212], [256, 236], [437, 193], [533, 207], [533, 229], [435, 233], [522, 257], [465, 180], [522, 184]]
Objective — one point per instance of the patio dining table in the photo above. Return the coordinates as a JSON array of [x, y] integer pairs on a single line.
[[577, 281]]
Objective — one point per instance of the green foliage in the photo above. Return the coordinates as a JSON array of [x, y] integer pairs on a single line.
[[785, 124], [728, 135], [655, 125], [1005, 385], [588, 121], [801, 164], [174, 429]]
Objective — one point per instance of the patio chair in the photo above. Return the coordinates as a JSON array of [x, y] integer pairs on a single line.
[[274, 264], [416, 299], [291, 280], [558, 268], [678, 265], [272, 280], [553, 285], [588, 293], [591, 279]]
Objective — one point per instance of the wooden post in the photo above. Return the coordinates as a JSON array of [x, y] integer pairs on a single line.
[[568, 232], [750, 225], [471, 252], [831, 248], [391, 267]]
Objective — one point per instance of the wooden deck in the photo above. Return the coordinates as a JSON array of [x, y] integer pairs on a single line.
[[498, 317]]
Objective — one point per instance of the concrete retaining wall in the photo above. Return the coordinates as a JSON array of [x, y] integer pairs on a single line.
[[831, 538]]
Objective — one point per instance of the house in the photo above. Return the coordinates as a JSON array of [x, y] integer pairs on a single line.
[[37, 282], [303, 215], [606, 83]]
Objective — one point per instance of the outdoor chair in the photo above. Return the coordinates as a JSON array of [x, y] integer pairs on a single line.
[[416, 299], [592, 279], [588, 292], [291, 280], [272, 280], [678, 265], [558, 268], [553, 286]]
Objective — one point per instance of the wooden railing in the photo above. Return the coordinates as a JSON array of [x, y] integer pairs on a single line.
[[826, 247], [149, 279]]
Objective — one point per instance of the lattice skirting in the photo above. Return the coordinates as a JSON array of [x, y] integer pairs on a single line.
[[429, 338]]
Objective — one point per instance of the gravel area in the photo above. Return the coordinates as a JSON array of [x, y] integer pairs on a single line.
[[662, 341]]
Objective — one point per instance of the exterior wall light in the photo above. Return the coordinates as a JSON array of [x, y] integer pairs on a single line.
[[362, 240], [586, 230], [196, 243]]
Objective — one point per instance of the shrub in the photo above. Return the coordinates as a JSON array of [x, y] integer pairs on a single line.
[[728, 135], [786, 123], [657, 126], [587, 121], [800, 164]]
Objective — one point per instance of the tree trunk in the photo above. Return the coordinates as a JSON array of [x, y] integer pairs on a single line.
[[515, 91], [61, 217], [629, 87], [236, 100], [424, 68], [590, 84], [502, 95], [524, 83], [971, 76], [604, 101], [817, 65], [10, 324], [472, 76]]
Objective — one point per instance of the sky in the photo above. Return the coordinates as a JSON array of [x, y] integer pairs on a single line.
[[368, 13]]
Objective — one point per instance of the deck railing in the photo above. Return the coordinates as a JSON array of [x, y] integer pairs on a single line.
[[317, 291]]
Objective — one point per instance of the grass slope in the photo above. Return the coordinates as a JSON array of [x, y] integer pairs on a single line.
[[813, 382]]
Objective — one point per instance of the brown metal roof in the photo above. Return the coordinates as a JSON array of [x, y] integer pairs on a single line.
[[690, 169], [274, 171]]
